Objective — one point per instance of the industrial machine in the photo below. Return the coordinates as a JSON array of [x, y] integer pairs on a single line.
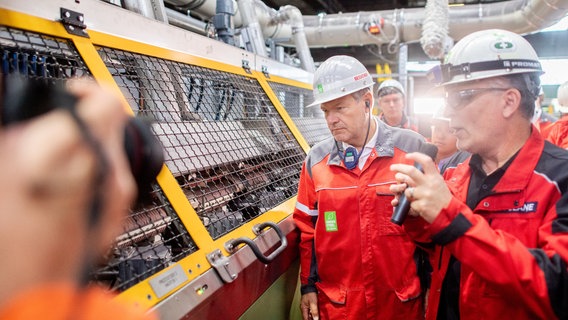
[[214, 238]]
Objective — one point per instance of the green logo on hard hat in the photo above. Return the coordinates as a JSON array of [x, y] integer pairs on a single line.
[[320, 88], [503, 45]]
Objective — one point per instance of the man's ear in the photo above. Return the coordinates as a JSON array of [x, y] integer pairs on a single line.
[[512, 99]]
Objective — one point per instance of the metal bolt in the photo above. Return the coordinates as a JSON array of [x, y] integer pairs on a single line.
[[80, 18], [71, 28], [67, 14]]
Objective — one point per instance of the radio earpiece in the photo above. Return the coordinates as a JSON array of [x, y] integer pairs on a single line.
[[367, 104]]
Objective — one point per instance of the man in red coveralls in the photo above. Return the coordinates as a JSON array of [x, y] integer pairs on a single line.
[[355, 263], [497, 224]]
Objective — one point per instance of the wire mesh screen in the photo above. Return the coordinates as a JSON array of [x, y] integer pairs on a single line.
[[230, 151], [152, 235], [309, 121]]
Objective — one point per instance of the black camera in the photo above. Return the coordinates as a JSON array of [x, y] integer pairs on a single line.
[[26, 98]]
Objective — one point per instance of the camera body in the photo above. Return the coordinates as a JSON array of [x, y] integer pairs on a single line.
[[25, 98]]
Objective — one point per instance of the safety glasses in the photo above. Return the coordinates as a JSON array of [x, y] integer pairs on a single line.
[[459, 99]]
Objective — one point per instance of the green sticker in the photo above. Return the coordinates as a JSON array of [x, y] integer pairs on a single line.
[[330, 221], [320, 88]]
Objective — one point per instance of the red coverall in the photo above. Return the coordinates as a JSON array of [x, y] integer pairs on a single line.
[[513, 247], [361, 263], [558, 133]]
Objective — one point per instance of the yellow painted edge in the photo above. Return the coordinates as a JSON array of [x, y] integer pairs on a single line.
[[165, 179], [290, 82], [31, 23], [142, 294], [283, 113], [111, 41]]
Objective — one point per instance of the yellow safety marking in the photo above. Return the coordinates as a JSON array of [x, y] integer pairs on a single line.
[[194, 265], [283, 113], [290, 82], [110, 41], [31, 23]]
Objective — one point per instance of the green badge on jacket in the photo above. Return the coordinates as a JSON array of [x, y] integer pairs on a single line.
[[330, 221]]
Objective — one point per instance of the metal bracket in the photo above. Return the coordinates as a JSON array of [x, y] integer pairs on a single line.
[[221, 265], [246, 66], [265, 71], [74, 22]]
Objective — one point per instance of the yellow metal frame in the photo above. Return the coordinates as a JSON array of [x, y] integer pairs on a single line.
[[196, 263]]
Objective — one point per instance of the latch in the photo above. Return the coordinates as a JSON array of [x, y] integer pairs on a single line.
[[221, 265], [265, 71], [246, 65], [74, 22]]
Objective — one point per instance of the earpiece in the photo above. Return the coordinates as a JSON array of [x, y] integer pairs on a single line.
[[367, 104]]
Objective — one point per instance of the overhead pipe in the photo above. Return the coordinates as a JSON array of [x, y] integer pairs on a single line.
[[292, 16], [404, 25], [186, 22], [153, 9], [251, 24], [400, 25]]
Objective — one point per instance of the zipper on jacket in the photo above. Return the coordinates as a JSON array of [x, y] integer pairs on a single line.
[[440, 260]]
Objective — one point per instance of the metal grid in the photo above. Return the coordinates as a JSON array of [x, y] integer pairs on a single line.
[[230, 151], [309, 121], [153, 236]]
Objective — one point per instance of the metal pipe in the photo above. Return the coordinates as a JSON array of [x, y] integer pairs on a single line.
[[252, 26], [293, 16], [186, 22]]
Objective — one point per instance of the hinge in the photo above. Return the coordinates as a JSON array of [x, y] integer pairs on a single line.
[[221, 265], [74, 22], [265, 71], [246, 65]]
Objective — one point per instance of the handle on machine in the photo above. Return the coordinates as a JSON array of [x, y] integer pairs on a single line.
[[232, 244]]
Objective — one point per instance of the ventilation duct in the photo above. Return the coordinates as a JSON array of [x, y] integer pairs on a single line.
[[435, 28]]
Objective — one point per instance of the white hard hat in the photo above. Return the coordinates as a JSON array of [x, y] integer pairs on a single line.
[[339, 76], [486, 54], [390, 83], [562, 95]]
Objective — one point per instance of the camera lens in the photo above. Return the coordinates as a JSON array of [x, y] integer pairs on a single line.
[[25, 99], [144, 152]]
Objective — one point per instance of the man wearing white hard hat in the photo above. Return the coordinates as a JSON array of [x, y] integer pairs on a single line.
[[558, 132], [496, 227], [392, 101], [355, 263]]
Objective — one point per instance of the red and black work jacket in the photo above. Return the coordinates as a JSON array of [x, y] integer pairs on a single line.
[[513, 246]]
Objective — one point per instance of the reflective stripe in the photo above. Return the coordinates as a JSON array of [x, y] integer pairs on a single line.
[[382, 183], [342, 188], [305, 209]]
